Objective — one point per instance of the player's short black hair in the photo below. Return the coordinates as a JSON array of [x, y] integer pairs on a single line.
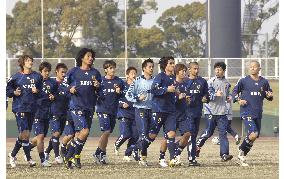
[[22, 59], [82, 53], [164, 62], [129, 69], [191, 64], [220, 65], [144, 64], [44, 65], [60, 65], [109, 63], [179, 67]]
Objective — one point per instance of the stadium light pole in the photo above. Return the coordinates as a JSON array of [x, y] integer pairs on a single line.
[[208, 38], [42, 42], [125, 35]]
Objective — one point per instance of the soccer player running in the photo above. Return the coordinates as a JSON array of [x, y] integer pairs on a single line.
[[215, 111], [111, 90], [126, 116], [196, 95], [163, 105], [250, 92], [59, 109], [83, 81], [42, 115], [24, 87], [139, 93]]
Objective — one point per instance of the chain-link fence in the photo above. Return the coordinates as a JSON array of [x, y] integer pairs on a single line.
[[236, 67]]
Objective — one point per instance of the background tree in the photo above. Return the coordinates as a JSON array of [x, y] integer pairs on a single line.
[[183, 26], [255, 24]]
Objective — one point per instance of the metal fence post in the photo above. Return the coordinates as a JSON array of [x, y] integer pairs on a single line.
[[209, 68], [243, 67], [259, 61], [276, 68]]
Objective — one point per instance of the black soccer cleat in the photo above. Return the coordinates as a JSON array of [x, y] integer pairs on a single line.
[[77, 161], [193, 163], [68, 164], [226, 158]]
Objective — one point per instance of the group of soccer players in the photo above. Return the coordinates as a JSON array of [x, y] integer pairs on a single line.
[[174, 99]]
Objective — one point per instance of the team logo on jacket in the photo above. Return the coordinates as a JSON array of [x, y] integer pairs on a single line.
[[141, 114], [198, 86]]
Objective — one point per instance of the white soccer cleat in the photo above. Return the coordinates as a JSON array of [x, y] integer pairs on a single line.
[[116, 150], [127, 158], [12, 160], [163, 163], [45, 164], [58, 160], [173, 163], [238, 139], [143, 161], [242, 159], [178, 160], [31, 163], [46, 156]]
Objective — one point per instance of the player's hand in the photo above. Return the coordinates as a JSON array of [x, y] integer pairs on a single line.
[[142, 97], [219, 93], [229, 99], [242, 102], [96, 82], [181, 95], [204, 99], [17, 92], [187, 99], [73, 90], [117, 88], [125, 105], [51, 97], [171, 89], [269, 94], [34, 90]]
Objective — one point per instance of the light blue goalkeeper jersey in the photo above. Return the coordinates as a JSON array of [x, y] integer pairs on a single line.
[[140, 86]]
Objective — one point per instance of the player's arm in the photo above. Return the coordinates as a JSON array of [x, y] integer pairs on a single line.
[[131, 94], [268, 92], [236, 93], [157, 88], [205, 93], [11, 89], [211, 90]]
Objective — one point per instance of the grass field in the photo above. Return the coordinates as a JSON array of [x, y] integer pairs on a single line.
[[263, 160]]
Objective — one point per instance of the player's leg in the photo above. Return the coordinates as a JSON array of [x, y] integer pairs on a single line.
[[222, 122], [231, 131], [40, 131], [69, 133], [170, 129], [191, 148], [185, 131], [131, 145], [132, 139], [163, 149], [125, 130], [81, 126], [55, 125], [253, 128], [207, 133], [24, 123], [107, 124]]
